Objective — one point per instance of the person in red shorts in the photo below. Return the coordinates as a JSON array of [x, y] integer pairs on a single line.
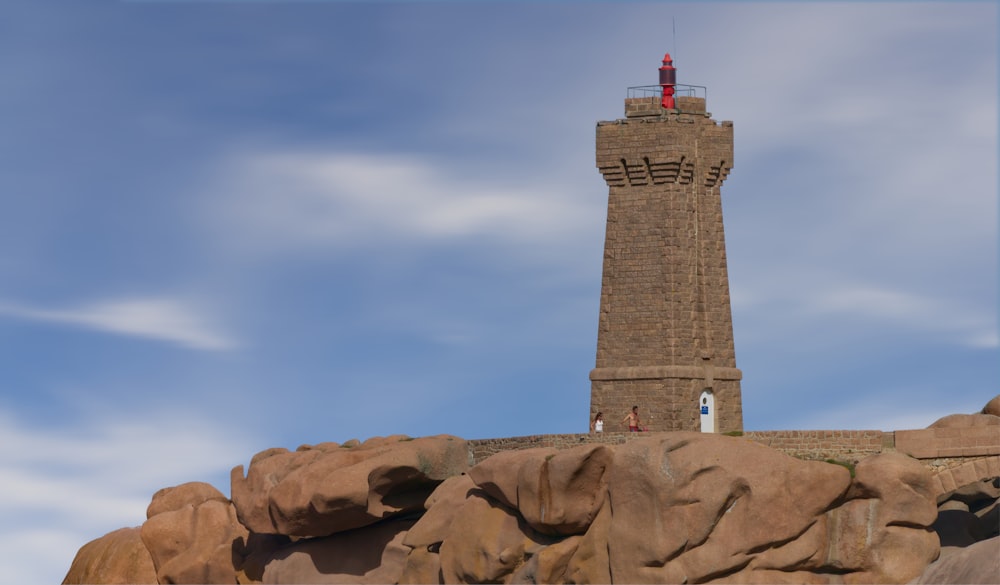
[[632, 418]]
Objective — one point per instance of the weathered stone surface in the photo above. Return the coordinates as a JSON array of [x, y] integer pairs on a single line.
[[957, 528], [590, 562], [194, 543], [689, 507], [500, 475], [968, 514], [423, 565], [442, 507], [372, 554], [117, 557], [965, 420], [556, 492], [976, 563], [897, 490], [669, 507], [979, 492], [257, 550], [174, 498], [333, 488], [993, 406], [485, 543]]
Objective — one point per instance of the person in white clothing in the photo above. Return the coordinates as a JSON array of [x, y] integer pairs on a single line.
[[597, 425]]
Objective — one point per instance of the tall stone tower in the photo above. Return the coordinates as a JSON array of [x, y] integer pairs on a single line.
[[665, 337]]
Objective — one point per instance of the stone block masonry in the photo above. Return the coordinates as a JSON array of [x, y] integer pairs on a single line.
[[845, 446], [665, 334]]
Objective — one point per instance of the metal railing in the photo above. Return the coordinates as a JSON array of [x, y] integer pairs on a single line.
[[680, 89]]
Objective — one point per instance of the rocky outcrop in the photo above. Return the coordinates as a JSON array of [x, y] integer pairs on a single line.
[[966, 420], [977, 563], [116, 557], [330, 488], [992, 407], [685, 507], [968, 515], [373, 554], [192, 534], [669, 507]]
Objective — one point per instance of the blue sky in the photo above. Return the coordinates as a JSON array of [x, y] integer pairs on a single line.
[[228, 226]]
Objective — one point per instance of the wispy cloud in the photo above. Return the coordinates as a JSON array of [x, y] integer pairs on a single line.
[[68, 486], [161, 319], [313, 198], [820, 303], [963, 325]]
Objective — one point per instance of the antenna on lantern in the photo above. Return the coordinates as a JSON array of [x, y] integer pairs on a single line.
[[673, 34]]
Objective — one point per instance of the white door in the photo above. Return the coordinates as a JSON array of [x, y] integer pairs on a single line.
[[706, 405]]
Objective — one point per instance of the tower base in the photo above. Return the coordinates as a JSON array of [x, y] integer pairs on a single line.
[[670, 398]]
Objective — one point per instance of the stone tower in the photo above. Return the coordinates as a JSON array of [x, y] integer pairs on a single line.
[[665, 337]]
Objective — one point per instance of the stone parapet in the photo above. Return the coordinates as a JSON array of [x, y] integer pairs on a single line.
[[851, 446], [825, 444], [949, 442]]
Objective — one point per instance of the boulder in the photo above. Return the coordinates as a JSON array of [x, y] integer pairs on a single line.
[[693, 507], [486, 542], [555, 492], [442, 507], [965, 420], [977, 494], [257, 551], [188, 494], [896, 531], [590, 562], [335, 488], [968, 514], [372, 554], [195, 539], [976, 563], [958, 528], [993, 406], [500, 475], [676, 507], [669, 507], [117, 557]]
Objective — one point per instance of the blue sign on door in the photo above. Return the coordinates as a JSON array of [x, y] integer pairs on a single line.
[[704, 409]]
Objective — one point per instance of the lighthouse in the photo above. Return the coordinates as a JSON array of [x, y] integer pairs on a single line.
[[665, 328]]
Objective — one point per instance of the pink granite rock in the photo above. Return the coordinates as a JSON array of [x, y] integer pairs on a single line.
[[117, 557], [188, 494], [692, 507], [485, 544], [590, 562], [373, 554], [680, 507], [883, 533], [556, 492], [976, 563], [965, 420], [442, 507], [192, 539], [993, 406], [333, 488], [669, 507]]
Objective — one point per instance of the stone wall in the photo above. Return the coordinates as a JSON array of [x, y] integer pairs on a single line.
[[957, 452], [841, 445], [933, 443]]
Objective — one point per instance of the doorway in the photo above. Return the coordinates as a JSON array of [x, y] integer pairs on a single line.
[[706, 405]]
